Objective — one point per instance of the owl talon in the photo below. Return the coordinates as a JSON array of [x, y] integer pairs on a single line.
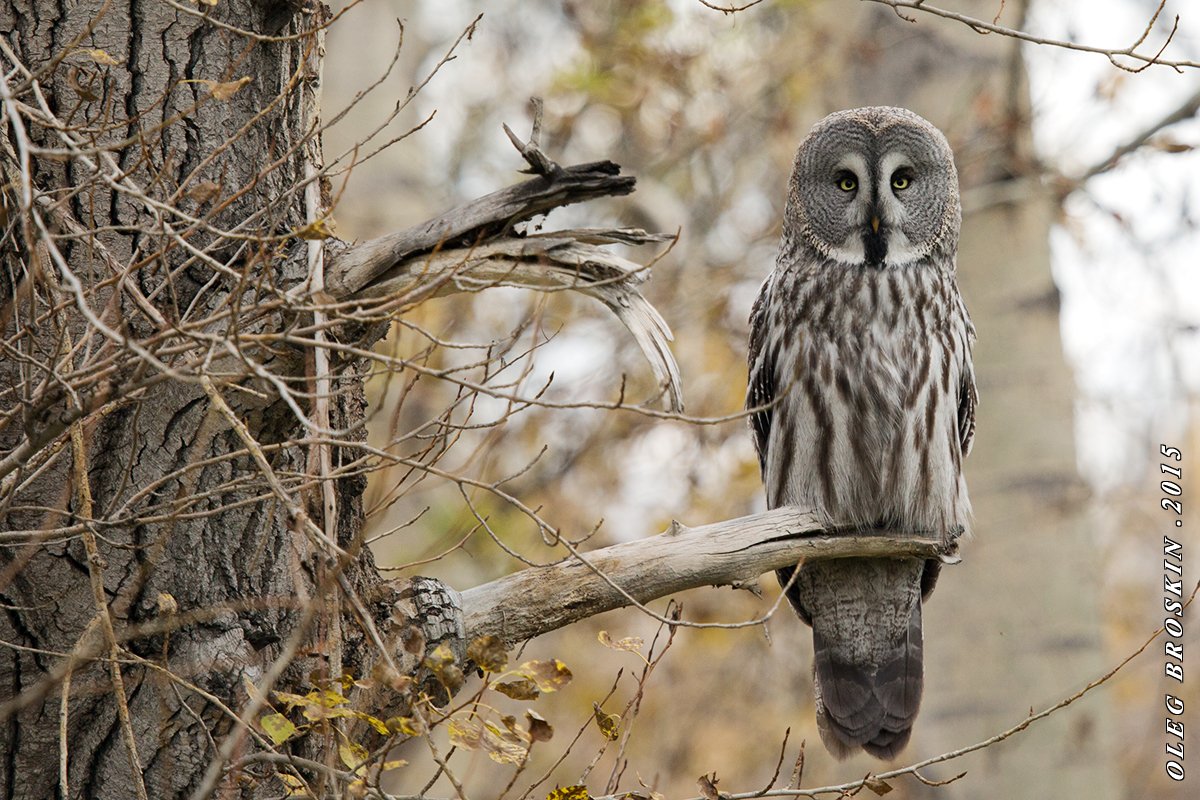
[[949, 549]]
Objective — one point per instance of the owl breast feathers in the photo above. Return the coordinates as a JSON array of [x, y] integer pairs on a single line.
[[863, 400]]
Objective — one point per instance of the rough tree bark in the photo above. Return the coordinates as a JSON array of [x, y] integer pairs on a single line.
[[149, 448]]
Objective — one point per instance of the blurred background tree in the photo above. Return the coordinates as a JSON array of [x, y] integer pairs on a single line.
[[706, 109]]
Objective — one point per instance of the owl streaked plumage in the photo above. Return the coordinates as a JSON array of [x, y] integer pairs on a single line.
[[860, 366]]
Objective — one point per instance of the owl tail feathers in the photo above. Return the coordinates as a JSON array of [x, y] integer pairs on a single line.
[[872, 709]]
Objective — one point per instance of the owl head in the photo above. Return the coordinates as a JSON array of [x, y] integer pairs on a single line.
[[875, 186]]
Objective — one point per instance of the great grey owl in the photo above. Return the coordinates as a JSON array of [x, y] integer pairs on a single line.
[[863, 399]]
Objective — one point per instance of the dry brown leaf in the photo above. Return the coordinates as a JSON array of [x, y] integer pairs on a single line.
[[630, 644], [879, 787], [523, 689], [488, 653], [204, 191], [219, 90], [549, 675], [539, 729]]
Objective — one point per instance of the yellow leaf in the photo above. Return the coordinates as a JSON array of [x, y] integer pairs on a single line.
[[353, 754], [379, 725], [294, 785], [631, 644], [221, 91], [278, 727], [548, 675], [502, 746], [397, 764], [167, 604], [569, 793], [406, 725], [101, 57], [608, 723], [505, 746], [441, 663], [467, 734], [316, 231], [291, 700], [327, 698]]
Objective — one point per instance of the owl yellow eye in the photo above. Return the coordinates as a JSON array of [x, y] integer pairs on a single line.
[[900, 182], [847, 183]]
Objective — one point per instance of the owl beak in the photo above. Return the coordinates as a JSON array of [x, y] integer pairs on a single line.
[[874, 242]]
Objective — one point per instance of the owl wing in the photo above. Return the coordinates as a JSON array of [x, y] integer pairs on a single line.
[[760, 393], [968, 395]]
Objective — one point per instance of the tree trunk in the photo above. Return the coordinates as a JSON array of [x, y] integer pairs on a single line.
[[179, 518]]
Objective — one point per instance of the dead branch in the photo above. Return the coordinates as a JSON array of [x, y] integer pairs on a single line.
[[1184, 111], [555, 261], [1128, 58], [541, 599], [474, 247], [357, 266]]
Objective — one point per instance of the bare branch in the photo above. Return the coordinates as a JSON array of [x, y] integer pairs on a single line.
[[357, 266], [1185, 110], [551, 262], [541, 599], [1115, 55]]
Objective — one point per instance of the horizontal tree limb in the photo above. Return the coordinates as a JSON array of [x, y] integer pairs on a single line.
[[537, 600]]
